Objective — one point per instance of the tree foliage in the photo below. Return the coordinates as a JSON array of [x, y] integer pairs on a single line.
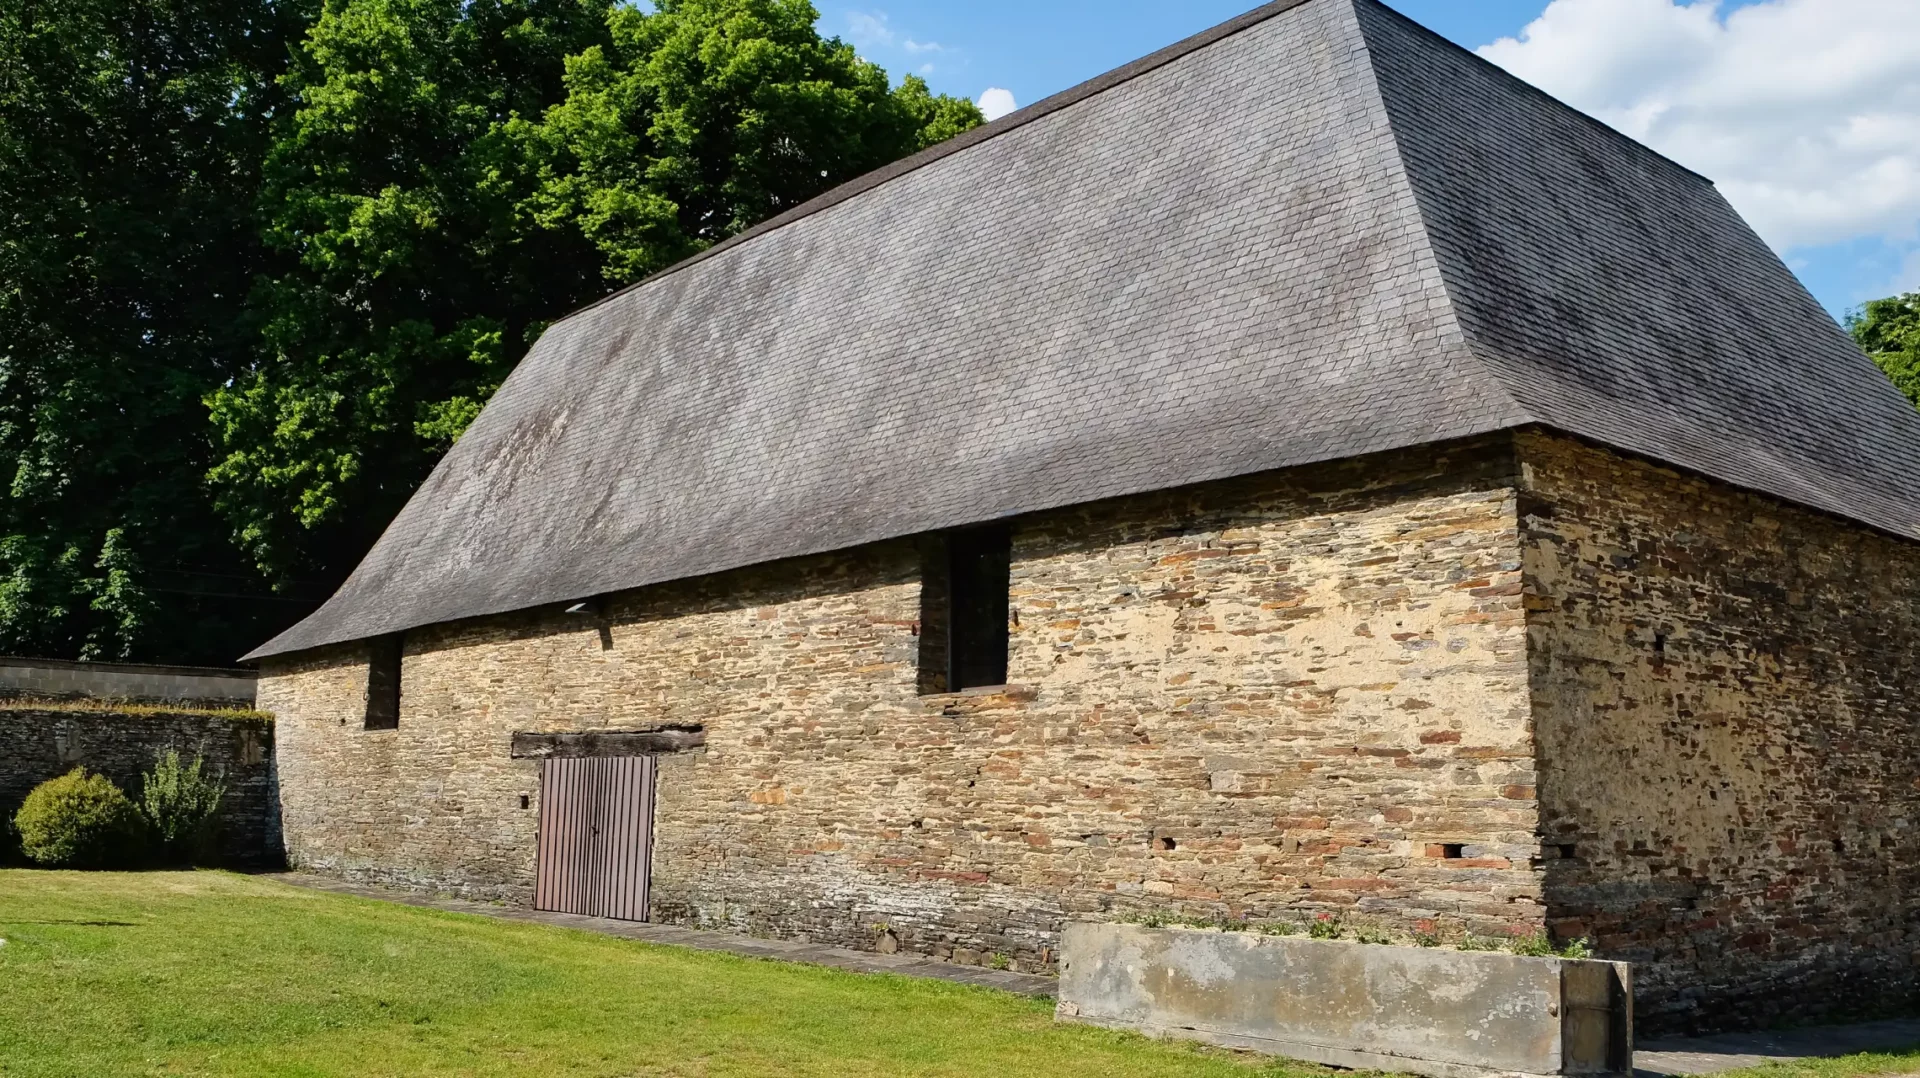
[[263, 260], [1888, 330], [460, 172], [706, 117], [412, 283], [131, 135]]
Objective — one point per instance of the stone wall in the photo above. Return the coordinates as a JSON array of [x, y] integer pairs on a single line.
[[187, 686], [1724, 689], [1303, 692], [37, 744], [1295, 693]]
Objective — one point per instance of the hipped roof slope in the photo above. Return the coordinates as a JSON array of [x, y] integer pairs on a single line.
[[1315, 232]]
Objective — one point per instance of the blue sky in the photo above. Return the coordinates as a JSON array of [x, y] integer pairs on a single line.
[[1038, 47]]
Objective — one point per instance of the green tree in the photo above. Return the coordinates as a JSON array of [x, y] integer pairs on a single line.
[[706, 117], [460, 172], [412, 282], [131, 133], [1889, 331]]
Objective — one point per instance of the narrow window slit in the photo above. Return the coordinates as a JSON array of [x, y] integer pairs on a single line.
[[965, 610], [383, 682]]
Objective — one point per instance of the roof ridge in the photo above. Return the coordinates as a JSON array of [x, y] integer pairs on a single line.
[[1039, 110], [1492, 383], [1535, 91]]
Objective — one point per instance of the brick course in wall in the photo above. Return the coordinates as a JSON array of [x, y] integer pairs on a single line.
[[38, 744], [1724, 689], [1267, 697]]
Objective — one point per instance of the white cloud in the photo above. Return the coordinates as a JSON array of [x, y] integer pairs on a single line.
[[869, 30], [996, 102], [1805, 112]]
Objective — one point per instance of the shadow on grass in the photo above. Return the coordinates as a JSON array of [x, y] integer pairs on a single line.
[[89, 924]]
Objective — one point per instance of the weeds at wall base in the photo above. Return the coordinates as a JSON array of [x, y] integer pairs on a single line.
[[1328, 927], [93, 705]]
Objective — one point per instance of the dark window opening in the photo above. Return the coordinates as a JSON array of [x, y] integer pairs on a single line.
[[383, 683], [964, 610], [1453, 851]]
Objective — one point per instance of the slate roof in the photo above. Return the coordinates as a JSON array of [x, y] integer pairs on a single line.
[[1314, 232]]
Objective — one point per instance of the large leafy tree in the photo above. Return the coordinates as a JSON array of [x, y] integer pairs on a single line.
[[1889, 331], [131, 133], [460, 172], [413, 281], [705, 117]]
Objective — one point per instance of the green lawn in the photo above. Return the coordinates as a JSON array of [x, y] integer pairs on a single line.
[[216, 974], [211, 973]]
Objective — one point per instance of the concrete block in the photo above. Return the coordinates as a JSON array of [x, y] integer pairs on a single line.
[[1450, 1014]]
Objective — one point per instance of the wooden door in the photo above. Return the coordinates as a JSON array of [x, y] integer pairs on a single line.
[[596, 836]]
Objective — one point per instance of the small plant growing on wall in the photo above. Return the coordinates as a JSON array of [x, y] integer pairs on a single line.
[[80, 821], [1326, 927], [181, 804], [1539, 945]]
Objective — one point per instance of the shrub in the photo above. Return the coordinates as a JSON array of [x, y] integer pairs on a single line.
[[80, 821], [181, 805]]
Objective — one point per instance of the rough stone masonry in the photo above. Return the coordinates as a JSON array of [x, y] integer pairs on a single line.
[[39, 743], [1512, 683]]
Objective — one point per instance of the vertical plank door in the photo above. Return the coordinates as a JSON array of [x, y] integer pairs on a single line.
[[595, 846]]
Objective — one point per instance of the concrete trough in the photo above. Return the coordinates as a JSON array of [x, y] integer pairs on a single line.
[[1450, 1014]]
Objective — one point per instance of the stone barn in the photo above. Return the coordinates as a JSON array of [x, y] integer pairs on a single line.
[[1305, 470]]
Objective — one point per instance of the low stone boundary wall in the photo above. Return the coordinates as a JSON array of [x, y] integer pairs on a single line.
[[1451, 1014], [186, 685], [37, 744]]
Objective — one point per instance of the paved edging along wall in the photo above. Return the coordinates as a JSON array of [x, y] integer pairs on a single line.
[[38, 744], [1451, 1014]]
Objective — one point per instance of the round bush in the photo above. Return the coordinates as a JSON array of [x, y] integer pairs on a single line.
[[79, 821]]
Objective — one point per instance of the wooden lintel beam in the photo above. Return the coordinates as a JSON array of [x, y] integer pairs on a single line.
[[538, 746]]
